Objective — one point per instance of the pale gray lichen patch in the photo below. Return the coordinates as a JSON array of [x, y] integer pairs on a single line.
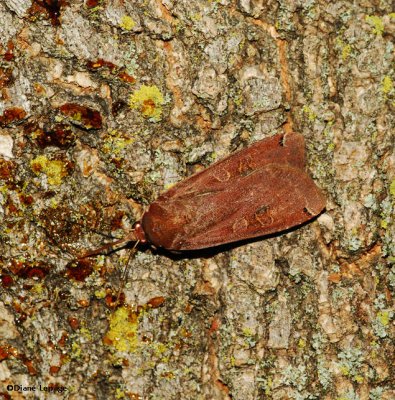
[[280, 326], [261, 93]]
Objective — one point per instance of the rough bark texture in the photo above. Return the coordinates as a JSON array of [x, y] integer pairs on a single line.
[[104, 104]]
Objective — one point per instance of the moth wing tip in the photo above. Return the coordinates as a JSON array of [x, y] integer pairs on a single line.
[[315, 205]]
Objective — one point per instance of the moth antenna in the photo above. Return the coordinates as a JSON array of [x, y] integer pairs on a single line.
[[125, 271], [95, 230], [110, 247], [64, 248]]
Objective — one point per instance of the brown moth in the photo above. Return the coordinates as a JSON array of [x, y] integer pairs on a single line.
[[254, 192]]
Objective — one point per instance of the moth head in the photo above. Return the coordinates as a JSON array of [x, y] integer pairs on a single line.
[[139, 232]]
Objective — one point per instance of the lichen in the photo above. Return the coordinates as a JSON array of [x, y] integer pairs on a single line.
[[301, 343], [311, 115], [350, 395], [127, 23], [354, 243], [247, 332], [149, 101], [351, 363], [266, 384], [130, 59], [75, 350], [85, 333], [381, 322], [346, 51], [116, 143], [386, 212], [55, 170], [387, 85], [159, 349], [376, 393], [377, 23], [369, 201], [324, 375], [120, 394], [122, 334], [295, 376], [100, 294], [344, 47], [38, 288], [392, 188]]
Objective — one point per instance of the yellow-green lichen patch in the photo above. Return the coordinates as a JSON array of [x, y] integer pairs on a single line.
[[38, 289], [384, 224], [196, 17], [238, 98], [55, 170], [358, 378], [268, 383], [331, 147], [387, 85], [116, 143], [100, 294], [383, 317], [344, 47], [311, 115], [247, 332], [344, 370], [392, 188], [148, 100], [127, 23], [122, 334], [75, 350], [346, 51], [159, 349], [301, 343], [377, 24], [86, 334], [120, 394], [382, 322]]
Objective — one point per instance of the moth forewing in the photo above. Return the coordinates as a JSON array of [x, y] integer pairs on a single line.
[[270, 199]]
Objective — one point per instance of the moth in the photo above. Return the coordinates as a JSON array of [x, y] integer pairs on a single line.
[[260, 190]]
